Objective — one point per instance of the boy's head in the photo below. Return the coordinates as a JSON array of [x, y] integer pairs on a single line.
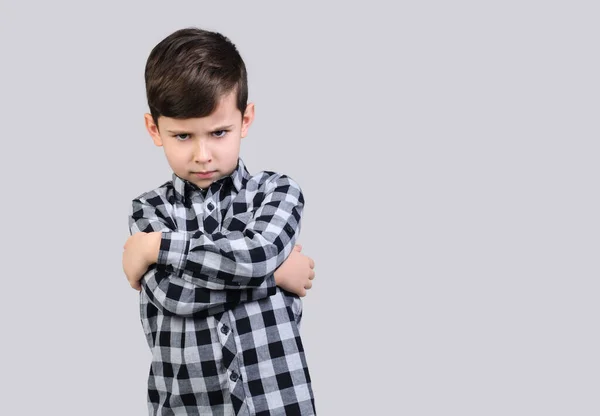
[[197, 91]]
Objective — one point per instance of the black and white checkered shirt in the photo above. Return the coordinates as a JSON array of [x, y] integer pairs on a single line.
[[224, 338]]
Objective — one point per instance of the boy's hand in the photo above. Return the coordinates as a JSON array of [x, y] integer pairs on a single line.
[[296, 273], [140, 251]]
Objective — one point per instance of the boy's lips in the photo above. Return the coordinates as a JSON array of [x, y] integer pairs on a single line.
[[205, 174]]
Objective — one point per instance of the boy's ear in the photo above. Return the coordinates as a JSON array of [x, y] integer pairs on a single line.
[[152, 129], [247, 118]]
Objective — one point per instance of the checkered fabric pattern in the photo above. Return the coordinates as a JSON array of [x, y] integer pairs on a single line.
[[224, 338]]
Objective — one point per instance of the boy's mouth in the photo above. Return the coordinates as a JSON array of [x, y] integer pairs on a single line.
[[204, 174]]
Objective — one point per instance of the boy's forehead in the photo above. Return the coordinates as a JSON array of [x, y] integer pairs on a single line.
[[226, 113]]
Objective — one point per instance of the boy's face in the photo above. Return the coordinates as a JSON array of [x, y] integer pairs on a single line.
[[202, 144]]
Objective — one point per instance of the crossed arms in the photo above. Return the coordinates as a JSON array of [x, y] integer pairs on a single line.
[[195, 273]]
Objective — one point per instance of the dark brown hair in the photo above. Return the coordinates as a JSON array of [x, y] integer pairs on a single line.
[[189, 71]]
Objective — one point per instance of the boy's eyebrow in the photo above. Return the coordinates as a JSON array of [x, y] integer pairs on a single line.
[[222, 127], [187, 132]]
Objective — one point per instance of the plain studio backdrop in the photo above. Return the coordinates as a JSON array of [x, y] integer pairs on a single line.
[[448, 154]]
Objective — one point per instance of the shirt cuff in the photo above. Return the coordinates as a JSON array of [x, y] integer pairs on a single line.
[[173, 250]]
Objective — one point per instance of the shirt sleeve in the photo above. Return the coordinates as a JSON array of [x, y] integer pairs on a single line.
[[242, 259], [173, 295]]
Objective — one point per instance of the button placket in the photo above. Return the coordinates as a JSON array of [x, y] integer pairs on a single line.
[[225, 331]]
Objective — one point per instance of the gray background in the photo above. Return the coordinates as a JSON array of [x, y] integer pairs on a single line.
[[449, 158]]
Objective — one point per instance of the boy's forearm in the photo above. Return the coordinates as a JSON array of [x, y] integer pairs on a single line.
[[152, 247], [176, 295], [228, 259], [152, 251], [179, 297], [153, 229], [241, 257]]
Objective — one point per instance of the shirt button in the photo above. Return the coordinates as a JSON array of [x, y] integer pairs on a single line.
[[210, 206], [224, 329], [233, 376]]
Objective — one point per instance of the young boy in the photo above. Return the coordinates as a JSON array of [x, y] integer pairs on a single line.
[[213, 250]]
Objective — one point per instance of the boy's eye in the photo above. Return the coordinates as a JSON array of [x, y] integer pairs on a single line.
[[179, 136], [216, 133]]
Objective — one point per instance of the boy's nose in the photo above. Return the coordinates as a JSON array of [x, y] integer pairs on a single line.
[[201, 153]]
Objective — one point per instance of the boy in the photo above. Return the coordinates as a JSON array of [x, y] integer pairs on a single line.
[[213, 250]]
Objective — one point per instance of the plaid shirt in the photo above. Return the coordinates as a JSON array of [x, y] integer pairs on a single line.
[[224, 338]]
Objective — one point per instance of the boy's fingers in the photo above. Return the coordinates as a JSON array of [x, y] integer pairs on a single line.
[[311, 275], [311, 263], [298, 247]]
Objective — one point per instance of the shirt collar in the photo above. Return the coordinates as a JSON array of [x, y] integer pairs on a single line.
[[238, 178]]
